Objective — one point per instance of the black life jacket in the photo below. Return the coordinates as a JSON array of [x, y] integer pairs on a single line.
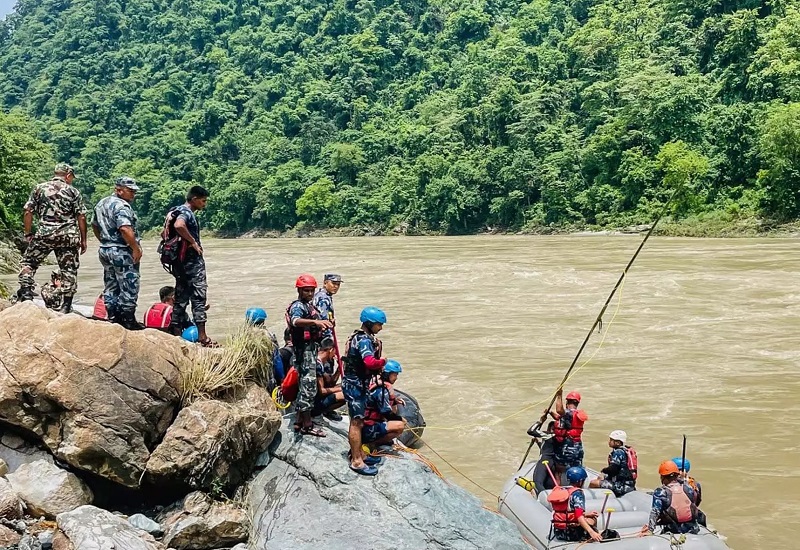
[[353, 362], [300, 336]]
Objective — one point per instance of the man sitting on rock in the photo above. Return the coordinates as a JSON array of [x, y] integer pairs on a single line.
[[381, 421], [329, 390]]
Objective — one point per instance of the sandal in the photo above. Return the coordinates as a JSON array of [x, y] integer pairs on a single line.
[[312, 430], [365, 470], [208, 343], [369, 460]]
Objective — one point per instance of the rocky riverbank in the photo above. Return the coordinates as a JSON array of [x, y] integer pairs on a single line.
[[108, 440]]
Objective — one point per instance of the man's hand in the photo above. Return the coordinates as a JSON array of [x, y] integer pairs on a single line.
[[591, 515], [596, 537], [644, 531], [197, 248], [324, 324], [400, 401], [84, 246], [28, 237], [137, 255]]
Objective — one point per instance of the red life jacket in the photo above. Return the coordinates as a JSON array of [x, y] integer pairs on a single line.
[[564, 516], [158, 316], [681, 509], [290, 385], [100, 312], [372, 415], [570, 429], [633, 462]]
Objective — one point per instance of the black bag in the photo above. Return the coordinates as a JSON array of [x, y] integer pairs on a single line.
[[172, 248]]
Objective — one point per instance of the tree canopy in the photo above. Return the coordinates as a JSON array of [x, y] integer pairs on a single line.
[[442, 115]]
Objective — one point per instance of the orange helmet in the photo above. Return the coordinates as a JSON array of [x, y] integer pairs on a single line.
[[305, 280], [574, 396], [667, 468]]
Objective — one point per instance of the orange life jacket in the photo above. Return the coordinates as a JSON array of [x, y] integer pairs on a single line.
[[681, 509], [564, 516], [566, 428], [290, 385], [158, 316]]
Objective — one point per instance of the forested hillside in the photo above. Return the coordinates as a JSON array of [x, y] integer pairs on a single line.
[[442, 115]]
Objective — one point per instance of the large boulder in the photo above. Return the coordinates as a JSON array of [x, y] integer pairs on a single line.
[[307, 497], [15, 451], [48, 490], [99, 397], [201, 523], [90, 528], [214, 444], [10, 504]]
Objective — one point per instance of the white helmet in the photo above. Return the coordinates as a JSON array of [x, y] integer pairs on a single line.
[[619, 435]]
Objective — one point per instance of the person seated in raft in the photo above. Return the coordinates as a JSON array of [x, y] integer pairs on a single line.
[[684, 477], [569, 428], [673, 506], [571, 521], [159, 315], [329, 391], [623, 464], [381, 422]]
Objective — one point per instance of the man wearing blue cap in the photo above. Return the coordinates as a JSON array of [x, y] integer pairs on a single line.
[[323, 301], [120, 252]]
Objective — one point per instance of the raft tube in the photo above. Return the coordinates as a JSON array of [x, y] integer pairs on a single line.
[[412, 414], [533, 515]]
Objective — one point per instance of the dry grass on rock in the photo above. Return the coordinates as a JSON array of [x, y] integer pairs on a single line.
[[246, 355]]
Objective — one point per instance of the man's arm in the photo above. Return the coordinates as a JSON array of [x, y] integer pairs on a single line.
[[655, 513], [560, 402], [96, 230], [183, 231], [27, 221], [82, 229], [130, 239]]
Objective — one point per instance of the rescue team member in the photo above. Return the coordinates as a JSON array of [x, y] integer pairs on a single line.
[[361, 362], [120, 252], [568, 430], [256, 317], [381, 421], [541, 478], [683, 467], [191, 285], [571, 521], [622, 469], [61, 229], [329, 391], [323, 301], [306, 330], [673, 504], [160, 315]]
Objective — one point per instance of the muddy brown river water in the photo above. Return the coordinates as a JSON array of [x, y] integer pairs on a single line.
[[704, 343]]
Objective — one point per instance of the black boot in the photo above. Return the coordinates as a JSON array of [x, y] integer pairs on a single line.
[[66, 305], [128, 320], [23, 295]]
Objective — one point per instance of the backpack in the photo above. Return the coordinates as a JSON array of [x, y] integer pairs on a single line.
[[172, 248], [633, 462]]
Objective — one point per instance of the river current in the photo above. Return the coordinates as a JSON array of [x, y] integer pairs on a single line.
[[703, 342]]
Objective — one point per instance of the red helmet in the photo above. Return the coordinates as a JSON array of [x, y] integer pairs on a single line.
[[574, 396], [305, 280]]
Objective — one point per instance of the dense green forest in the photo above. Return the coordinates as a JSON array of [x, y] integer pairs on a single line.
[[429, 115]]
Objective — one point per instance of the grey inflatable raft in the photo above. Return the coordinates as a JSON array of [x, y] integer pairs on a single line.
[[532, 515]]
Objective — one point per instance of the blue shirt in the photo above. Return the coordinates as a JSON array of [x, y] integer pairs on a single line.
[[192, 225], [378, 400], [577, 500], [619, 457], [110, 214], [324, 304]]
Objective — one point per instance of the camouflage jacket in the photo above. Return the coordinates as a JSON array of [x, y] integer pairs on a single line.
[[58, 205], [110, 214]]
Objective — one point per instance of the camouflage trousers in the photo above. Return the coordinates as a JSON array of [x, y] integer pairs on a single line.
[[67, 250], [190, 287], [120, 279], [306, 365]]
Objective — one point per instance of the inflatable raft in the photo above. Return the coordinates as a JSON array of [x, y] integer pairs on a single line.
[[413, 415], [532, 515]]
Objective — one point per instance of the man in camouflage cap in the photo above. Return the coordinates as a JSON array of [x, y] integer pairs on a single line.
[[61, 229], [120, 252]]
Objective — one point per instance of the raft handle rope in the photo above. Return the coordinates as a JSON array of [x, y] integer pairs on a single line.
[[598, 322]]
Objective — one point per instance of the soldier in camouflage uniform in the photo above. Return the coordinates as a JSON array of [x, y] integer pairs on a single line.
[[61, 229], [120, 252]]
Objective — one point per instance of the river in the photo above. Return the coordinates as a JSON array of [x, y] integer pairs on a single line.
[[703, 344]]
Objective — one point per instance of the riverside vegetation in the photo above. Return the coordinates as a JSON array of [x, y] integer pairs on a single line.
[[443, 115]]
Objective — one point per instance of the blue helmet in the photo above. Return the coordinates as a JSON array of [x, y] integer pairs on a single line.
[[190, 334], [576, 474], [392, 366], [255, 316], [682, 464], [371, 314]]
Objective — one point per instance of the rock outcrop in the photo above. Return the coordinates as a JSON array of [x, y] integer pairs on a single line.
[[90, 528], [98, 396], [11, 506], [202, 523], [214, 444], [15, 451], [47, 490], [307, 496]]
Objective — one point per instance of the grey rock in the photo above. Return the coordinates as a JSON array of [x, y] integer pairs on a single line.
[[46, 539], [140, 521], [15, 451], [48, 490], [405, 507], [90, 528], [29, 542], [3, 467], [10, 503], [200, 523]]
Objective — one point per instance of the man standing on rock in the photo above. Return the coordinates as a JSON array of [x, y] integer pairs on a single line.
[[323, 301], [191, 285], [120, 252], [62, 229]]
